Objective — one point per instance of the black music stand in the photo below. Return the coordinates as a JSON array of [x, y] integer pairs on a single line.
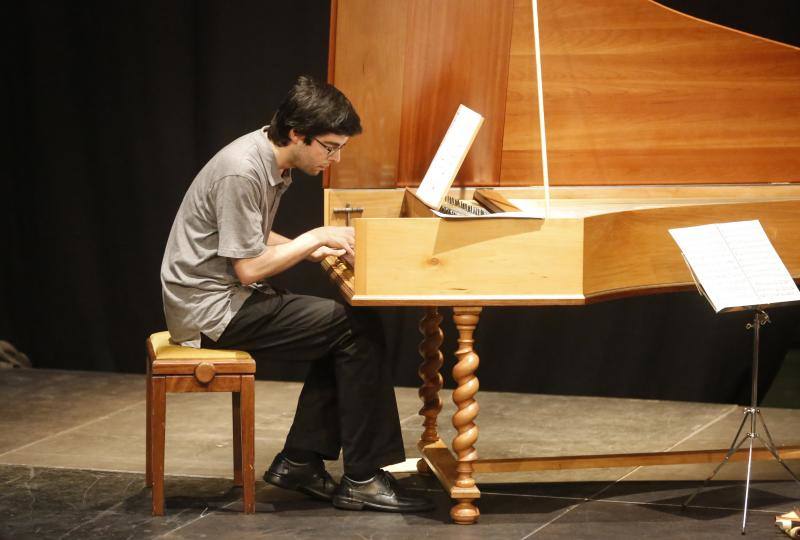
[[760, 318], [745, 272]]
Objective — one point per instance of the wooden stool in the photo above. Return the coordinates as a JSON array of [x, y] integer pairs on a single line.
[[172, 368]]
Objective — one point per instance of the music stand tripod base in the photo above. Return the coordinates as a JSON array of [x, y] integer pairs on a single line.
[[760, 318]]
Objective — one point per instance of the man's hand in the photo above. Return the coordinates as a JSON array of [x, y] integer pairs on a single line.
[[324, 251], [283, 253], [336, 239]]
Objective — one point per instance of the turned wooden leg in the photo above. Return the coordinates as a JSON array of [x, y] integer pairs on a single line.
[[466, 319], [148, 466], [236, 406], [432, 337], [247, 442], [158, 412]]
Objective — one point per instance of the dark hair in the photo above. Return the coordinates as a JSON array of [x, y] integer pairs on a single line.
[[311, 109]]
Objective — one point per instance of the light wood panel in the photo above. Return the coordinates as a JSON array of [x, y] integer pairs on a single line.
[[457, 52], [376, 203], [616, 243], [675, 194], [369, 43], [635, 93], [441, 258], [388, 202], [443, 465], [638, 94], [559, 463], [633, 250], [521, 154]]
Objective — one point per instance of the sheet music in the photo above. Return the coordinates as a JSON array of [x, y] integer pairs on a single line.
[[736, 264], [449, 157], [760, 262]]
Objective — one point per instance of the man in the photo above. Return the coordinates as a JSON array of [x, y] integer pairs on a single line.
[[220, 251]]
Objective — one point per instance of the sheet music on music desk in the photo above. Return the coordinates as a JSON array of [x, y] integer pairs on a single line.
[[735, 265], [449, 157]]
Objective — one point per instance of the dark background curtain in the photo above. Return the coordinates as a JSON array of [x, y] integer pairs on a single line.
[[113, 107]]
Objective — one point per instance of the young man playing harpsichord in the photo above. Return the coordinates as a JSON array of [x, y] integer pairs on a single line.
[[219, 256]]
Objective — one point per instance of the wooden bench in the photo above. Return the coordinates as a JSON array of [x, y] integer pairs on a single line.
[[172, 368]]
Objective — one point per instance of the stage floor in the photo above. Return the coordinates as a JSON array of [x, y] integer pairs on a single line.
[[72, 461]]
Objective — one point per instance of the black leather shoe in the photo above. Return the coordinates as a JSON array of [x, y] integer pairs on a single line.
[[381, 492], [309, 478]]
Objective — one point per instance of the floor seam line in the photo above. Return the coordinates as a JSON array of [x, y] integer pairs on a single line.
[[73, 428], [580, 500], [705, 426], [559, 516], [409, 418], [92, 520], [676, 505], [702, 428], [195, 520], [139, 472]]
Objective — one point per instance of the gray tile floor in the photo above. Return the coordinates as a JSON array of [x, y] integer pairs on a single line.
[[72, 456]]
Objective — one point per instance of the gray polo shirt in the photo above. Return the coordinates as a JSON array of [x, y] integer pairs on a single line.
[[226, 213]]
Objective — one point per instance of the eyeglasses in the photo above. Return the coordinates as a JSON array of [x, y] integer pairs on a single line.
[[328, 148]]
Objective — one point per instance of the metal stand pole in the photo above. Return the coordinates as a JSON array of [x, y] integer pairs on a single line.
[[752, 412]]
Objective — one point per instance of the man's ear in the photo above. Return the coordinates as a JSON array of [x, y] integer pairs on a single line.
[[296, 137]]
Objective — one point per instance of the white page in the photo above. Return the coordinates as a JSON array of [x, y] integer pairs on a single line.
[[715, 267], [449, 157], [736, 264], [760, 262]]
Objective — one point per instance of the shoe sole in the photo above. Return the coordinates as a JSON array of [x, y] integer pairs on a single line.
[[346, 503], [281, 482]]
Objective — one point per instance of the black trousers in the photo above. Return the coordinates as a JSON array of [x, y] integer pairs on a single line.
[[348, 400]]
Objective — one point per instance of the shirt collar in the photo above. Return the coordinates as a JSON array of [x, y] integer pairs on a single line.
[[271, 162]]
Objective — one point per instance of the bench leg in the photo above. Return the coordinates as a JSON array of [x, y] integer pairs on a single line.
[[247, 441], [236, 406], [158, 411], [148, 467]]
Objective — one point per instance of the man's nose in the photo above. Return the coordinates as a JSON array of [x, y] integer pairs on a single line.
[[336, 156]]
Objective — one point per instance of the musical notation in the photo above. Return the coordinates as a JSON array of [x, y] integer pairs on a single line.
[[736, 265]]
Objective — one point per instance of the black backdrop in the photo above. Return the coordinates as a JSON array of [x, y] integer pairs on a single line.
[[112, 107]]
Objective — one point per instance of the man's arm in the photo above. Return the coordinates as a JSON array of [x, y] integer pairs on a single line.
[[274, 239], [316, 255], [283, 253]]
